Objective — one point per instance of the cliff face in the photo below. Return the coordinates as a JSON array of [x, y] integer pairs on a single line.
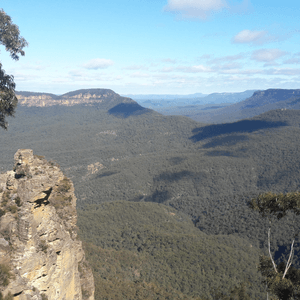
[[260, 98], [85, 96], [40, 255]]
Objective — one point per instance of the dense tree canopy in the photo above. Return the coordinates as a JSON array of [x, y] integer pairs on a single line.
[[14, 44]]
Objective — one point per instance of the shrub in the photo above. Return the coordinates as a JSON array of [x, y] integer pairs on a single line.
[[43, 246], [60, 201], [18, 201], [5, 275], [41, 157], [64, 185], [13, 208], [22, 171], [53, 163], [85, 294], [5, 198], [6, 232], [44, 296]]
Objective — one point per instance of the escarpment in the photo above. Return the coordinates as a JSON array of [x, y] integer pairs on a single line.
[[86, 96], [40, 255]]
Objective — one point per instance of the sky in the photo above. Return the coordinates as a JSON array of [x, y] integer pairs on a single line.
[[155, 46]]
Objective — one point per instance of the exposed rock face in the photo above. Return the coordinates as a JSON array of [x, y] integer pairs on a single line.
[[85, 96], [38, 236]]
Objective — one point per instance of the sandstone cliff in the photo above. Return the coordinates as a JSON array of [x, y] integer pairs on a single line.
[[40, 255], [84, 96]]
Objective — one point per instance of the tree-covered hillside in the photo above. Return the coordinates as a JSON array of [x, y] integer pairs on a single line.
[[152, 251], [207, 172]]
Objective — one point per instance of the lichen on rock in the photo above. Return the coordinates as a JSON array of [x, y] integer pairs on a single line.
[[38, 233]]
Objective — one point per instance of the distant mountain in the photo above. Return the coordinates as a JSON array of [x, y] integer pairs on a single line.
[[164, 167], [159, 102], [139, 97], [23, 94], [258, 103], [261, 98], [107, 98], [225, 97]]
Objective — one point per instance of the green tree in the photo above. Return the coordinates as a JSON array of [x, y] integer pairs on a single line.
[[239, 292], [282, 280], [14, 44]]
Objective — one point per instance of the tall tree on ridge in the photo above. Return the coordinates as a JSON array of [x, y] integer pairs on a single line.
[[14, 44], [282, 280]]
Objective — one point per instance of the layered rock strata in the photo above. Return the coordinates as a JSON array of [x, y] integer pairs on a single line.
[[85, 96], [40, 254]]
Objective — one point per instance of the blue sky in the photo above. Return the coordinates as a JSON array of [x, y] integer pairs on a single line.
[[156, 46]]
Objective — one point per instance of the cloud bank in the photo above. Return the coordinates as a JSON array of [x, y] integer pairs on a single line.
[[252, 37], [201, 9], [267, 55], [98, 63]]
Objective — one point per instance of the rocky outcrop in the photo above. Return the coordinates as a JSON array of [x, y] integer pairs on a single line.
[[40, 254]]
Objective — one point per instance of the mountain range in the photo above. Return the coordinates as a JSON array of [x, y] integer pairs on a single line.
[[142, 97], [162, 199], [259, 102], [246, 106], [175, 102]]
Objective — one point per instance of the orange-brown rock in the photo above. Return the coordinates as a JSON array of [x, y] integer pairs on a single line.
[[38, 233], [85, 96]]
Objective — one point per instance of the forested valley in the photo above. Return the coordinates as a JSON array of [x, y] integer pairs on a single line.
[[163, 200]]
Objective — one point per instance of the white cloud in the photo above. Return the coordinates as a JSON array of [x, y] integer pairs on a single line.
[[195, 8], [258, 37], [267, 55], [76, 73], [205, 56], [239, 71], [201, 9], [283, 71], [250, 36], [230, 66], [25, 77], [98, 63], [271, 64], [186, 69], [250, 71], [139, 75], [224, 59], [293, 60], [194, 69], [135, 67], [169, 60], [167, 69], [229, 71], [83, 76], [33, 66]]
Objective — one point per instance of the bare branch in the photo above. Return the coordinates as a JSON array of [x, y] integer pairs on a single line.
[[289, 263], [269, 242]]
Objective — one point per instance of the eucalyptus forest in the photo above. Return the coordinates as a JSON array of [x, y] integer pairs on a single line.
[[164, 202]]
